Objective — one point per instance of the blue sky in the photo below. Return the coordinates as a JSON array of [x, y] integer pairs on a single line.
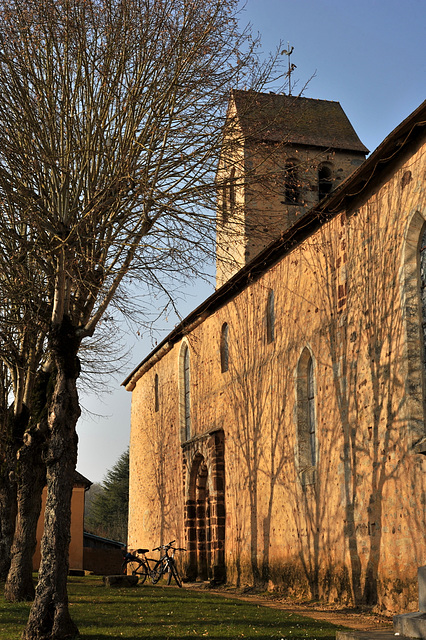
[[368, 55]]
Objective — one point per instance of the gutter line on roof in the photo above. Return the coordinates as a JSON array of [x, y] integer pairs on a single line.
[[130, 383]]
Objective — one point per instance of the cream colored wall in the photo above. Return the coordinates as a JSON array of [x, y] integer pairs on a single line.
[[77, 525], [343, 293], [230, 223], [156, 500]]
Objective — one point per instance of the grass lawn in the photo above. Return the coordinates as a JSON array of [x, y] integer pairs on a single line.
[[166, 612]]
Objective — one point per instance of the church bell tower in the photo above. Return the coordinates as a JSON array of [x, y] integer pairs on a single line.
[[281, 155]]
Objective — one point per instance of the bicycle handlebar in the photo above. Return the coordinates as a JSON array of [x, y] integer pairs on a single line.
[[169, 546], [164, 546]]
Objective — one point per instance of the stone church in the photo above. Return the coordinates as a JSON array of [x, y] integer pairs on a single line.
[[278, 432]]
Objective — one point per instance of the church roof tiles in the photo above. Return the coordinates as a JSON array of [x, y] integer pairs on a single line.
[[270, 117]]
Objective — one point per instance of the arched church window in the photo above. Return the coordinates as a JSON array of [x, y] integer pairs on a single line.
[[414, 289], [270, 317], [185, 392], [225, 213], [325, 180], [156, 393], [422, 260], [228, 196], [232, 190], [306, 419], [311, 411], [224, 348], [292, 186]]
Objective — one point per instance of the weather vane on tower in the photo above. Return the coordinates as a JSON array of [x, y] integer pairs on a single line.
[[291, 66]]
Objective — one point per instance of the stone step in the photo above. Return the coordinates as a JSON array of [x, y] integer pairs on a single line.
[[412, 625], [351, 634], [120, 581]]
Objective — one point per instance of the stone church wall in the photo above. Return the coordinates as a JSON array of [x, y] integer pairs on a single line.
[[349, 526], [267, 211]]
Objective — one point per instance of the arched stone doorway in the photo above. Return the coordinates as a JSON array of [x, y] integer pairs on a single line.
[[200, 552], [205, 507]]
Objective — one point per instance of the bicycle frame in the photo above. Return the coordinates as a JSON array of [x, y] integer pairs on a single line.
[[139, 564], [143, 567], [166, 564]]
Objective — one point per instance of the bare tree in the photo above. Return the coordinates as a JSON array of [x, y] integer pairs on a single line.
[[111, 119], [23, 330], [24, 430], [7, 483]]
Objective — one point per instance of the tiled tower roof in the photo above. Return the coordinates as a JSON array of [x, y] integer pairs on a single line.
[[271, 117]]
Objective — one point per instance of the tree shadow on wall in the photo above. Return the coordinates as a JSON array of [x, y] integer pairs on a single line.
[[365, 334], [168, 493], [258, 442], [336, 521], [247, 393]]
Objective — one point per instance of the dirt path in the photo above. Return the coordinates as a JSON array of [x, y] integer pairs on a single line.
[[351, 618]]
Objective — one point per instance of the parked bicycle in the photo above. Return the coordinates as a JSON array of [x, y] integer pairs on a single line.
[[139, 564], [166, 563]]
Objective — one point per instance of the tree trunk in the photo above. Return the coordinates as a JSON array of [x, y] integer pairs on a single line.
[[29, 433], [32, 476], [11, 438], [49, 617], [7, 521]]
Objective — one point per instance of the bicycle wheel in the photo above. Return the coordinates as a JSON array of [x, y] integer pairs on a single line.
[[142, 572], [157, 571], [135, 568]]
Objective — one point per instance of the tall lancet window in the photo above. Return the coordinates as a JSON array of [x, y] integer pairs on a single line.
[[224, 348], [228, 197], [270, 317], [307, 453], [185, 392], [232, 191], [156, 394], [413, 283], [291, 185], [325, 180], [423, 292], [311, 411]]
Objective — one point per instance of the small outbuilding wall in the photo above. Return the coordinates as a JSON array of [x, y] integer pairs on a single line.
[[77, 525]]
